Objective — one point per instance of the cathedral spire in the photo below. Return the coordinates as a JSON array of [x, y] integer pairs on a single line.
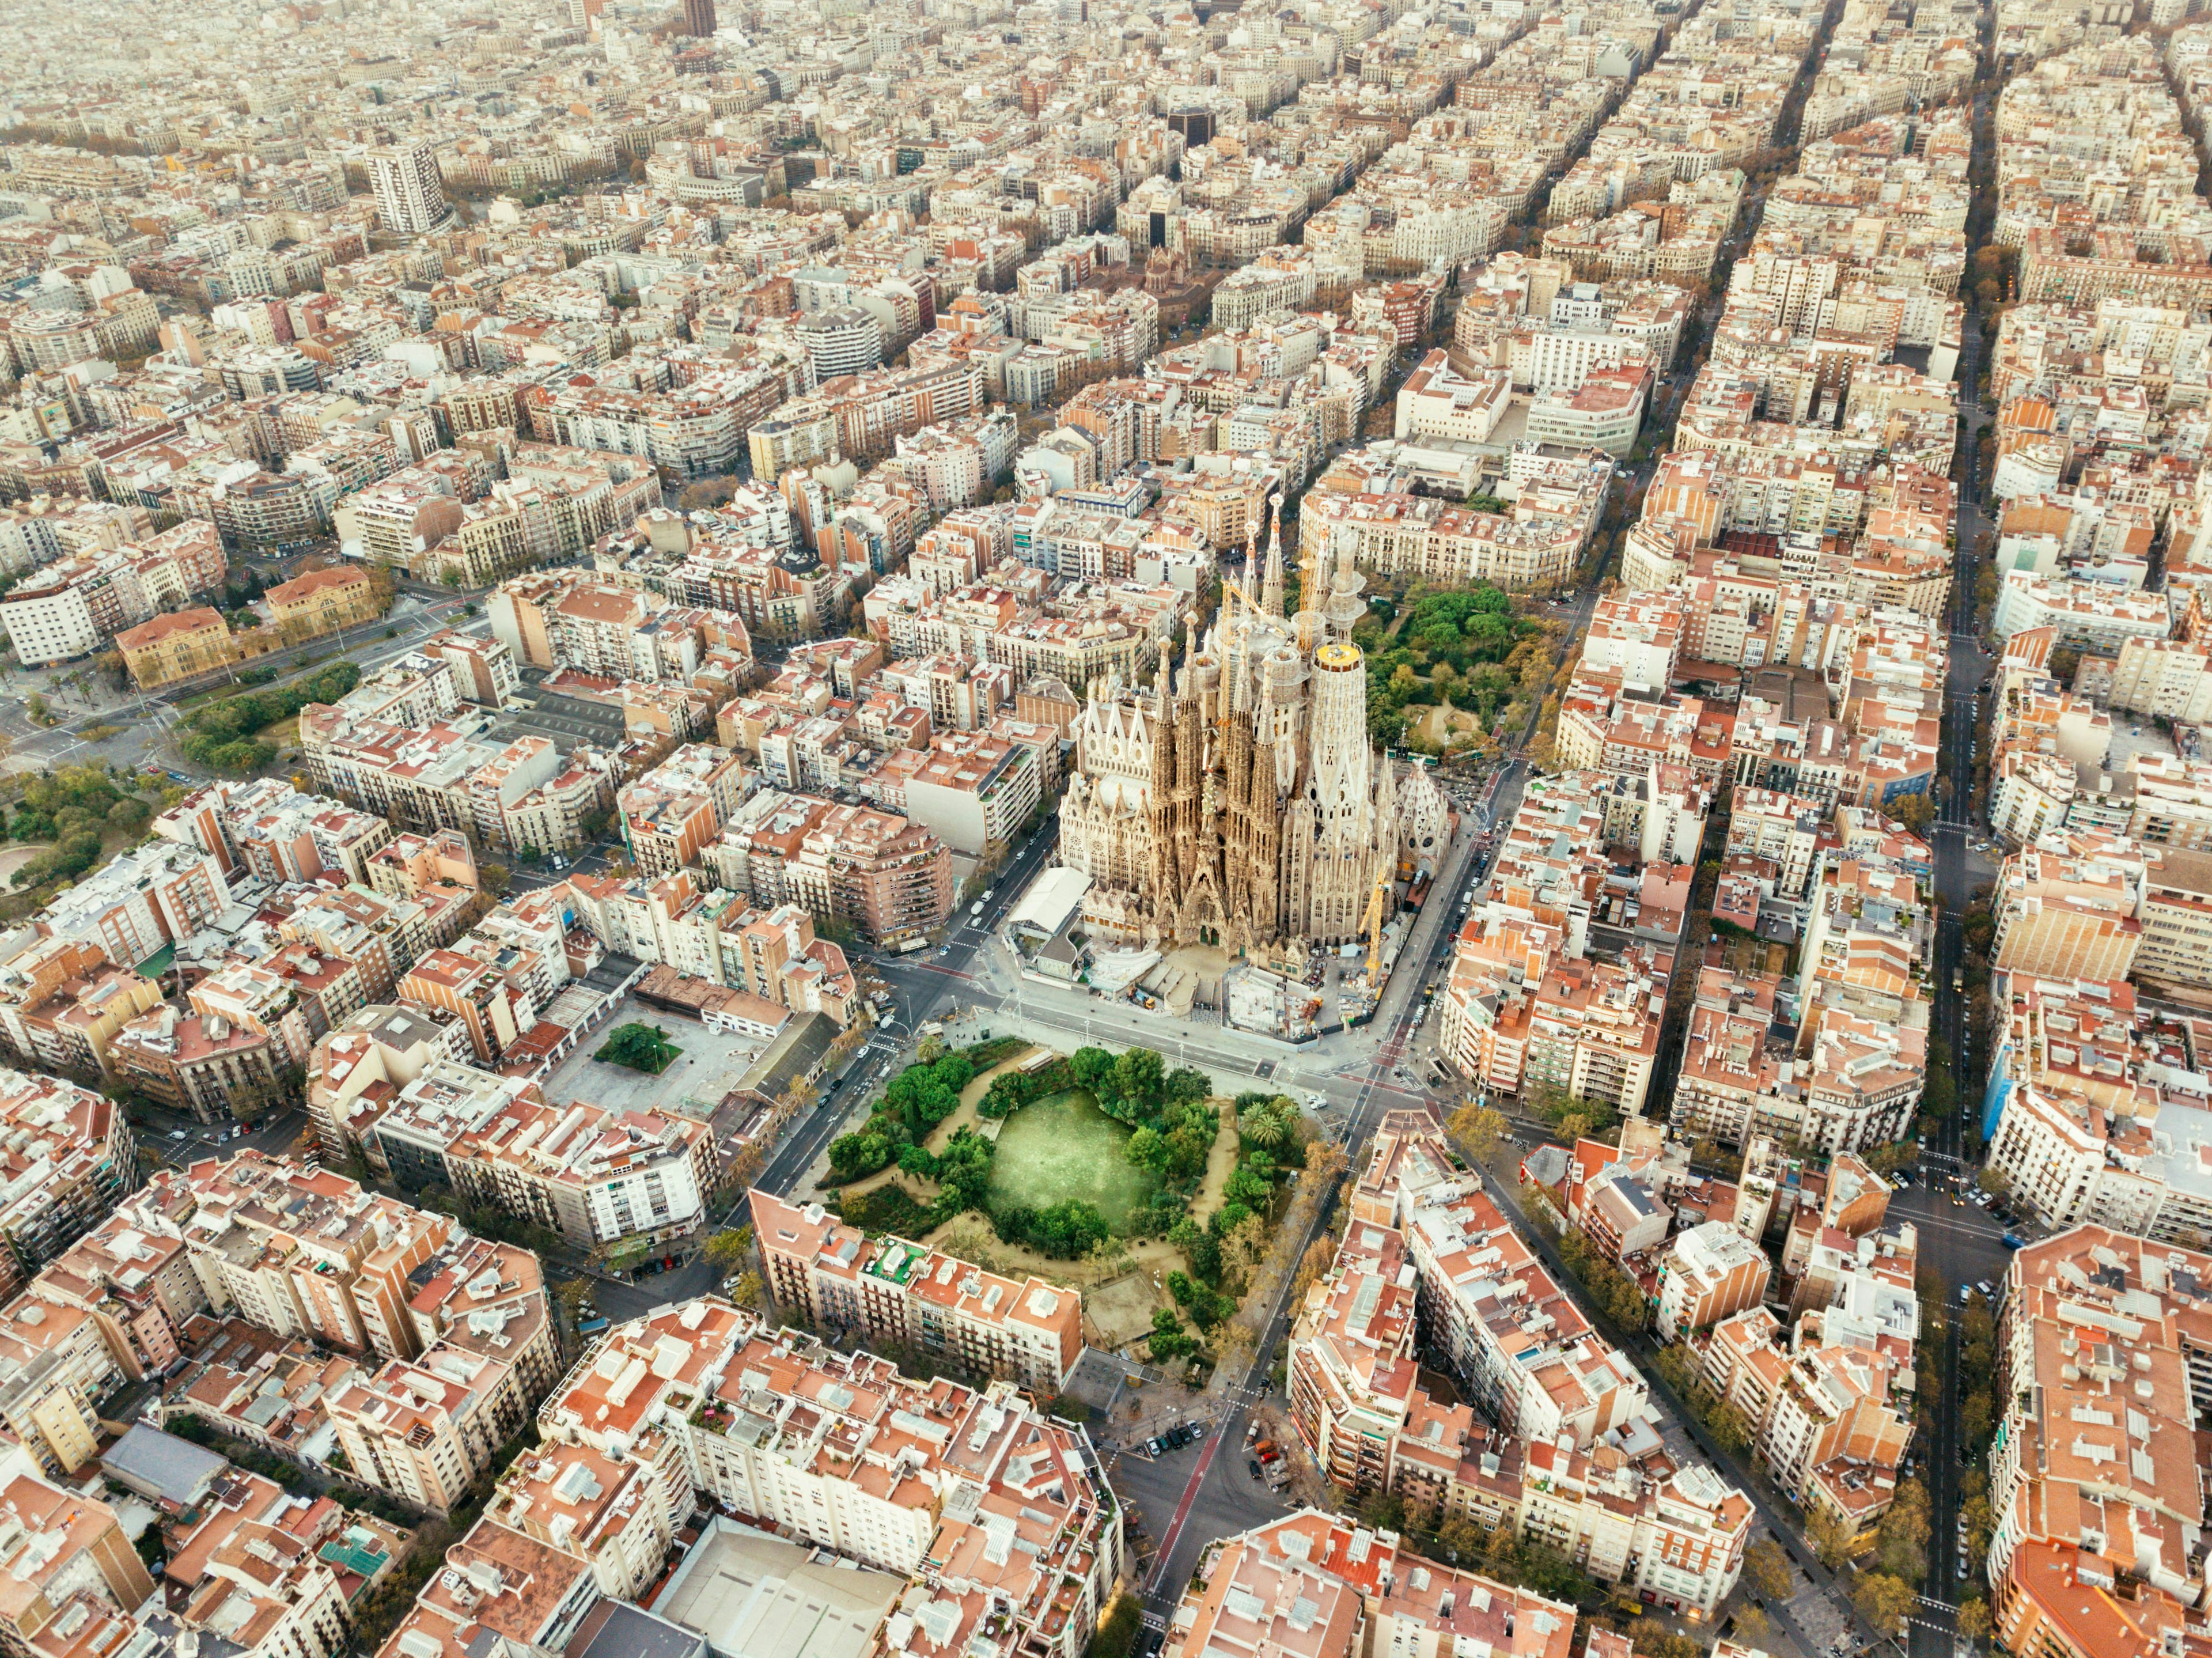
[[1271, 591]]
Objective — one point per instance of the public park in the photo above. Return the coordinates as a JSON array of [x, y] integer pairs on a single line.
[[1136, 1183]]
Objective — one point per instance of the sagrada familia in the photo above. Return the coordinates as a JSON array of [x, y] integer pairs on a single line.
[[1249, 809]]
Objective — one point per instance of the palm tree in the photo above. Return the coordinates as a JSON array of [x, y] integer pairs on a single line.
[[1261, 1126]]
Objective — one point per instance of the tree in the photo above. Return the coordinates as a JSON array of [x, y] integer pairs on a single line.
[[1995, 1183], [568, 1296], [1730, 1429], [1459, 1539], [1973, 1618], [1885, 1599], [730, 1248], [1117, 1630], [640, 1047], [1246, 1246], [1915, 812], [1168, 1339], [1901, 1539], [747, 1291], [1139, 1075], [1383, 1511], [1975, 1416], [1768, 1567], [1751, 1627], [495, 879], [1834, 1540], [1258, 1126], [1479, 1130]]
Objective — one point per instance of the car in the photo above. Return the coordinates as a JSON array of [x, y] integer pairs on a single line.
[[1198, 1431], [2014, 1243], [1983, 1287], [1966, 1294], [1253, 1464], [1154, 1446], [176, 1134]]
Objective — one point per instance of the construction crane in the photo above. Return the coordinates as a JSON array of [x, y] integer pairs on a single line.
[[1371, 923]]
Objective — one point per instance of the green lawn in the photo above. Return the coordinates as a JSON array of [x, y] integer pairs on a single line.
[[1064, 1146]]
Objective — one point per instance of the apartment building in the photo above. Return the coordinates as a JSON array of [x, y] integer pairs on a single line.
[[56, 1371], [1676, 1536], [2176, 946], [406, 1128], [137, 1284], [302, 1253], [558, 619], [269, 829], [66, 1553], [66, 1156], [486, 992], [2110, 1415], [584, 1502], [900, 1292], [675, 811], [1521, 1347], [1708, 1273], [63, 1002], [2068, 908], [1823, 1413], [716, 1405], [888, 877], [596, 1175], [261, 1584], [145, 897], [1323, 1587], [421, 1432], [479, 1297], [72, 606], [499, 1585]]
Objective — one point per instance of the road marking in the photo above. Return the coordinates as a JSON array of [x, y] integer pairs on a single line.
[[1183, 1510]]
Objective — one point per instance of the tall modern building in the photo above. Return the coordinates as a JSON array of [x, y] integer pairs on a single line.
[[699, 17], [410, 198]]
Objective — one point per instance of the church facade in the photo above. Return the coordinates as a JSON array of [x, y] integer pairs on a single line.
[[1247, 809]]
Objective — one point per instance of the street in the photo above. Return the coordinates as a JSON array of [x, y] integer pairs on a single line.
[[141, 721]]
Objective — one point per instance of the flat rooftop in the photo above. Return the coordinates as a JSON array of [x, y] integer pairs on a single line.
[[712, 1063], [756, 1596]]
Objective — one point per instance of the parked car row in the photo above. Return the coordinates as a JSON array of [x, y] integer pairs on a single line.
[[1176, 1438]]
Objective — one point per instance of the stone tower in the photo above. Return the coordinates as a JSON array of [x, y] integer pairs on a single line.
[[1340, 785], [1270, 589], [1159, 803]]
